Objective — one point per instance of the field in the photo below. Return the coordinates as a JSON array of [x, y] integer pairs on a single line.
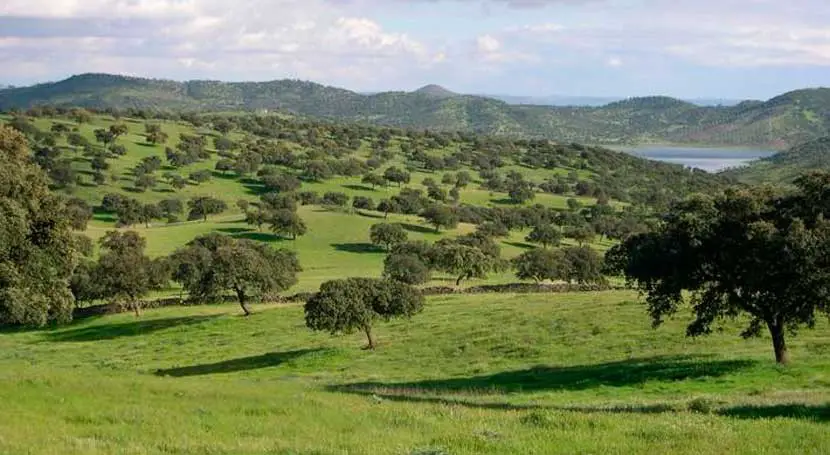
[[567, 373]]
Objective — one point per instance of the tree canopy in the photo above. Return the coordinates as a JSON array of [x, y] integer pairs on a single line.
[[748, 251]]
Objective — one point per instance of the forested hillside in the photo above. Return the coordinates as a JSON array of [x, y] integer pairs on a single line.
[[782, 121], [784, 167]]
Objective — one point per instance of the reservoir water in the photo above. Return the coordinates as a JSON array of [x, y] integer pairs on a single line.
[[708, 158]]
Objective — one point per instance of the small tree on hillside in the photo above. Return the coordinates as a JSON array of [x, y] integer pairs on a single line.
[[124, 273], [343, 306], [396, 175], [542, 264], [461, 260], [202, 206], [582, 234], [440, 216], [373, 180], [287, 223], [546, 235], [213, 264], [585, 265], [406, 268], [387, 234]]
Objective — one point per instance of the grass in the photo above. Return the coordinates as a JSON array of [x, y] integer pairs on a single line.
[[483, 374]]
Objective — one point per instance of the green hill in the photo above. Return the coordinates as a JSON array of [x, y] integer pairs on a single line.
[[785, 166], [783, 121]]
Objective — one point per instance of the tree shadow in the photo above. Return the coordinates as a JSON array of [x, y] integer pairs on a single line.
[[377, 216], [354, 187], [233, 230], [504, 201], [163, 190], [418, 228], [272, 359], [255, 189], [131, 189], [124, 329], [792, 411], [360, 248], [522, 245], [260, 236], [224, 176], [580, 377]]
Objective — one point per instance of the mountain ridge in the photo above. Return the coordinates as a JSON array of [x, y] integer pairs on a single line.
[[785, 120]]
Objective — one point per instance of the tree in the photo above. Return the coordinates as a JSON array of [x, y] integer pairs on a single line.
[[171, 209], [363, 203], [406, 268], [582, 234], [546, 235], [256, 218], [542, 264], [201, 176], [316, 170], [461, 260], [282, 183], [124, 272], [335, 198], [462, 179], [150, 212], [224, 165], [373, 179], [279, 201], [286, 222], [79, 213], [343, 306], [585, 265], [144, 182], [387, 206], [387, 234], [37, 254], [213, 264], [396, 175], [493, 229], [520, 191], [747, 251], [202, 206], [440, 216], [156, 137]]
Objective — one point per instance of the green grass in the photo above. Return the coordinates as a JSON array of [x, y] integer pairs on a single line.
[[482, 374]]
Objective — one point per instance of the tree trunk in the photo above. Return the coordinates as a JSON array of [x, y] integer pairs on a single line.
[[776, 330], [458, 281], [136, 308], [240, 294], [368, 331]]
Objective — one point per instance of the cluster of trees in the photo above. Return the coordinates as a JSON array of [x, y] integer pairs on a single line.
[[278, 211], [130, 211]]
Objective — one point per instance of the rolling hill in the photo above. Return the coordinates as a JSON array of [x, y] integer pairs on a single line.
[[780, 122], [784, 167]]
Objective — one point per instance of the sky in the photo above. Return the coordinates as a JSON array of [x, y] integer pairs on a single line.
[[685, 48]]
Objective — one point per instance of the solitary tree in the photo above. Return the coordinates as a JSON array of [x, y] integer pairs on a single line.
[[343, 306], [746, 251], [373, 179], [396, 175], [585, 265], [387, 234]]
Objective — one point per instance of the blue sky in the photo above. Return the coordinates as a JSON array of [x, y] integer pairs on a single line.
[[702, 48]]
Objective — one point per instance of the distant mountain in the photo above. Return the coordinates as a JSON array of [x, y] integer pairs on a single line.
[[783, 121], [784, 167]]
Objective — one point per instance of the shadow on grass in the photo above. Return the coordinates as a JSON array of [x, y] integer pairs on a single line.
[[255, 189], [124, 329], [418, 228], [224, 176], [354, 187], [792, 411], [377, 216], [257, 362], [522, 245], [504, 201], [233, 230], [580, 377], [260, 236], [357, 248]]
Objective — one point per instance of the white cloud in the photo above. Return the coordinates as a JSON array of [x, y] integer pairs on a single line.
[[488, 44], [614, 62]]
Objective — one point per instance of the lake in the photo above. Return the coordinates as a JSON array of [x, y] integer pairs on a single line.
[[709, 158]]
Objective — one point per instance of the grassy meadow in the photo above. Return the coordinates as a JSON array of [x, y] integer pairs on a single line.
[[483, 374]]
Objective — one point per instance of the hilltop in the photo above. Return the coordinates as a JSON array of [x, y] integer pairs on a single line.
[[783, 121]]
